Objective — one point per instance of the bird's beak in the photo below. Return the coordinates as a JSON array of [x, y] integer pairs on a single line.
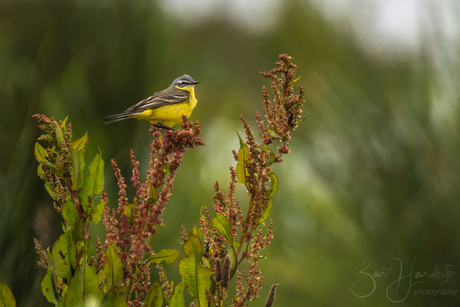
[[196, 82]]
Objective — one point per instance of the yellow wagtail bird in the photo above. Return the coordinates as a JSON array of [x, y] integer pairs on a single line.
[[164, 109]]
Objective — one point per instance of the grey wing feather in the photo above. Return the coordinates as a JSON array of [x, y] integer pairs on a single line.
[[158, 100]]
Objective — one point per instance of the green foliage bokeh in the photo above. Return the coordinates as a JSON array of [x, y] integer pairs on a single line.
[[373, 173]]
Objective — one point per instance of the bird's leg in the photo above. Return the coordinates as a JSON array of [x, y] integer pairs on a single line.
[[160, 125]]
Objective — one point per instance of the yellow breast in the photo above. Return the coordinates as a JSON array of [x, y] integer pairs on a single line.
[[170, 115], [192, 100]]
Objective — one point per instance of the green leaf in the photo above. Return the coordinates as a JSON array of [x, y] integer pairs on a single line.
[[243, 157], [78, 165], [302, 119], [297, 79], [50, 191], [40, 153], [63, 124], [274, 185], [80, 144], [231, 253], [40, 171], [165, 256], [267, 212], [154, 297], [90, 251], [267, 149], [70, 213], [61, 256], [78, 162], [153, 194], [166, 168], [59, 136], [222, 225], [274, 134], [77, 233], [6, 296], [96, 213], [129, 212], [49, 289], [205, 262], [93, 183], [196, 277], [177, 300], [115, 297], [84, 290], [113, 269], [195, 231], [50, 262]]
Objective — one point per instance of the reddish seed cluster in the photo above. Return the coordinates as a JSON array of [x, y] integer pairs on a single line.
[[130, 226], [284, 111], [234, 210], [59, 156], [282, 115]]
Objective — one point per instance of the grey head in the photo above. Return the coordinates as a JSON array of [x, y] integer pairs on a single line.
[[184, 81]]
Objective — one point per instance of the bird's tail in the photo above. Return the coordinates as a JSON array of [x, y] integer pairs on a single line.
[[116, 117]]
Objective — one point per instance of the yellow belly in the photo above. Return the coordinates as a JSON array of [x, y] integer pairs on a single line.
[[168, 115]]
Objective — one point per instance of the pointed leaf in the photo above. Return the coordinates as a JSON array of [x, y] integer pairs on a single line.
[[166, 168], [195, 231], [80, 144], [49, 289], [40, 153], [78, 165], [61, 256], [96, 213], [267, 212], [63, 124], [243, 157], [196, 277], [113, 269], [90, 251], [231, 253], [84, 290], [115, 297], [165, 256], [59, 136], [40, 171], [129, 212], [302, 119], [153, 194], [93, 183], [70, 214], [267, 149], [50, 190], [6, 296], [177, 300], [222, 225], [274, 184], [274, 134], [154, 297]]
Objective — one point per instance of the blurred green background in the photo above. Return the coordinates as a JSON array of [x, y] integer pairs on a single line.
[[374, 173]]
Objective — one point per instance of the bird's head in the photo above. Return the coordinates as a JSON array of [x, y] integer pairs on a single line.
[[184, 82]]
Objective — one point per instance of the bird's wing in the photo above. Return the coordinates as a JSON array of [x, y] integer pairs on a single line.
[[159, 100]]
